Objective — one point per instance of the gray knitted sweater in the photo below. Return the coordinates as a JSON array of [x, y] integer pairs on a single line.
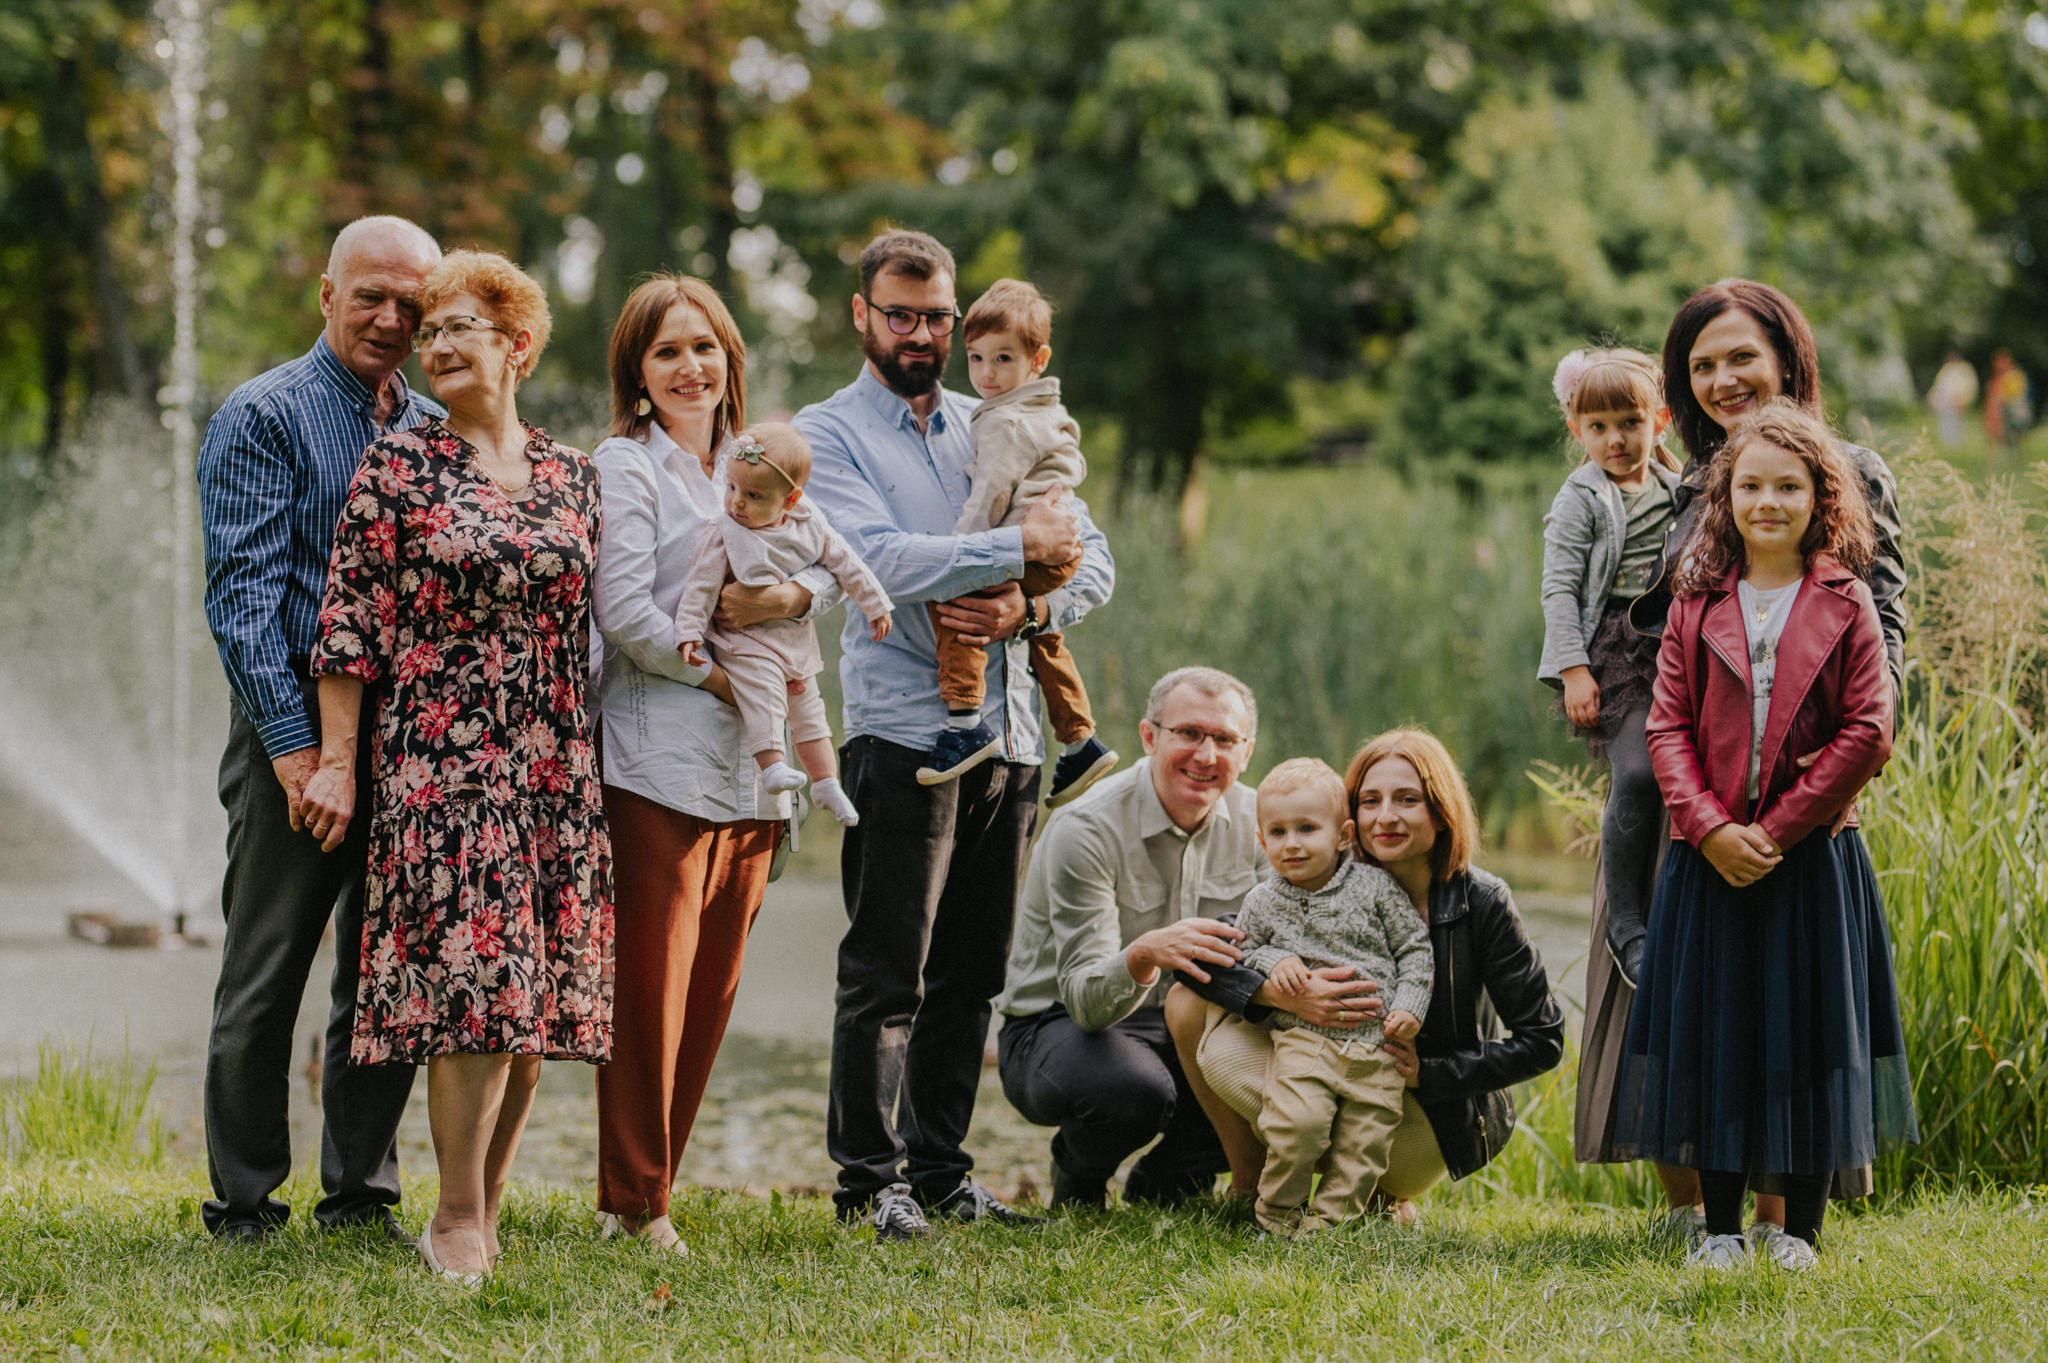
[[1362, 919]]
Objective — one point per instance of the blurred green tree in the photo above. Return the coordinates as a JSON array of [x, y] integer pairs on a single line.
[[1559, 223], [73, 191]]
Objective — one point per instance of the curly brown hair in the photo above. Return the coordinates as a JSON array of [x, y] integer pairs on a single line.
[[1841, 526]]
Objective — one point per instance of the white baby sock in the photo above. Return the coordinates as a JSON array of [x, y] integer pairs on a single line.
[[830, 795], [780, 776]]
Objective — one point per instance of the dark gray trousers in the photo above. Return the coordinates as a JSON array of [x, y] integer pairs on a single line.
[[279, 893]]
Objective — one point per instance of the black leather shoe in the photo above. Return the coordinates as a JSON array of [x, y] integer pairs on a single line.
[[242, 1233], [1142, 1189], [1071, 1193], [972, 1202], [381, 1225]]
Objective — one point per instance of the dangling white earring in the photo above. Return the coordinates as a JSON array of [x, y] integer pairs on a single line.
[[643, 406]]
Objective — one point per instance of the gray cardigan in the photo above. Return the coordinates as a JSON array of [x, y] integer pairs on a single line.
[[1362, 919], [1582, 544]]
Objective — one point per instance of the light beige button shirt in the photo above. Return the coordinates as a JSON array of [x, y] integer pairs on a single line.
[[1109, 868]]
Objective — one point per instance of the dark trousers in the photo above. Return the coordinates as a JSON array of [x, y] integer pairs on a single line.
[[1631, 827], [279, 893], [930, 875], [1110, 1093]]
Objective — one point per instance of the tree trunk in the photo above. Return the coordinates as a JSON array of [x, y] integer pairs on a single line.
[[59, 324], [714, 139], [117, 364]]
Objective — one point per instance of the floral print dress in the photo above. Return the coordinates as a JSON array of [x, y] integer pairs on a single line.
[[487, 917]]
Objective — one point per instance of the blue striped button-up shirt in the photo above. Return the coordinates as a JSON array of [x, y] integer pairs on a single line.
[[895, 492], [274, 471]]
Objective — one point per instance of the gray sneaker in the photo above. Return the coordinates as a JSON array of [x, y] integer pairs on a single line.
[[1719, 1251], [1788, 1252], [896, 1215]]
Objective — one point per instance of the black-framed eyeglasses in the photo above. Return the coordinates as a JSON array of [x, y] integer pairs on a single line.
[[1190, 737], [457, 328], [903, 321]]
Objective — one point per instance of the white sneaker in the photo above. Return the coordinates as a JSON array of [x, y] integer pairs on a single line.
[[1719, 1251], [1788, 1252]]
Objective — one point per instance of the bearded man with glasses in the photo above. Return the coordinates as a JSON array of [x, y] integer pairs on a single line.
[[930, 872]]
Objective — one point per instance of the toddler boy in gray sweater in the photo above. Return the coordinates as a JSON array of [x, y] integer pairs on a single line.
[[1328, 1089]]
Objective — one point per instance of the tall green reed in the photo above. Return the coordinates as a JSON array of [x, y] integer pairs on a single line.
[[1350, 600], [76, 1108], [1958, 826]]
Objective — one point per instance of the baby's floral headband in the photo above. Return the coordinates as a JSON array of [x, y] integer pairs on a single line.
[[749, 450]]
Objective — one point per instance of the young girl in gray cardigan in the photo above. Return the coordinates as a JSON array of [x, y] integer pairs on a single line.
[[1328, 1089], [1602, 544]]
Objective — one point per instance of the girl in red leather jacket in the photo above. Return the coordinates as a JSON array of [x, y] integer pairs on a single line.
[[1765, 1038]]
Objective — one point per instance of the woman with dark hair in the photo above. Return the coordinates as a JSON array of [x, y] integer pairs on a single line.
[[693, 830], [1733, 347], [1415, 820]]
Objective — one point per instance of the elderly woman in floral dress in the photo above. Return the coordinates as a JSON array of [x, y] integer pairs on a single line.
[[459, 589]]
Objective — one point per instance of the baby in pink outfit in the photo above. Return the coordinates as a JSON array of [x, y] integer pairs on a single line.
[[768, 535]]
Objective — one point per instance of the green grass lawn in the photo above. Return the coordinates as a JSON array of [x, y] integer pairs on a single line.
[[104, 1263]]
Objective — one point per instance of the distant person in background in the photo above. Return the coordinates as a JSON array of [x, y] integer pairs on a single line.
[[460, 588], [1955, 388], [2008, 405], [694, 833], [273, 473]]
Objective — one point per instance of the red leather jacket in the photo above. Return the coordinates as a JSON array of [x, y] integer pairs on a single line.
[[1832, 694]]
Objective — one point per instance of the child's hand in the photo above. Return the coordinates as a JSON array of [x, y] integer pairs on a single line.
[[1401, 1025], [878, 629], [1742, 853], [1581, 697], [1289, 974], [693, 652]]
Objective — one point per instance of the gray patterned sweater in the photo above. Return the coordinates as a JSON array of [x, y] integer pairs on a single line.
[[1362, 919]]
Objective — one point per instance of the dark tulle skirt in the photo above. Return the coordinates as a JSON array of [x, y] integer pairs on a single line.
[[1765, 1034]]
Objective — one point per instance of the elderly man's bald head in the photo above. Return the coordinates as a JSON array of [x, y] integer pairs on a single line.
[[377, 236], [370, 292]]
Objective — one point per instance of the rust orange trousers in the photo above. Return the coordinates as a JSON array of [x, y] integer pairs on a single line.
[[685, 892]]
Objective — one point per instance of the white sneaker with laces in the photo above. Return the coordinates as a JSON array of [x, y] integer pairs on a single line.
[[1718, 1252]]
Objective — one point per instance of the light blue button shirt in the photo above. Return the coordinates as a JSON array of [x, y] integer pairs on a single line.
[[895, 492]]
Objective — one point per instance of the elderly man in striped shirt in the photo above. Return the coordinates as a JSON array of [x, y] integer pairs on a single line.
[[273, 472]]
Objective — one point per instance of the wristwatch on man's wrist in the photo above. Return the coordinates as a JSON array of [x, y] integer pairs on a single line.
[[1032, 625]]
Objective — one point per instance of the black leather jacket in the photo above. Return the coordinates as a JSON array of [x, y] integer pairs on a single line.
[[1886, 579], [1488, 973]]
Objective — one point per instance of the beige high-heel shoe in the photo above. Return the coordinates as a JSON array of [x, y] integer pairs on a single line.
[[427, 1253]]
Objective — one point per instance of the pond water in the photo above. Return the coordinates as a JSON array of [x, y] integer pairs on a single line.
[[763, 1123]]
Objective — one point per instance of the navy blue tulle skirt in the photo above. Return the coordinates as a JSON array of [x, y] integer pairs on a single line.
[[1765, 1035]]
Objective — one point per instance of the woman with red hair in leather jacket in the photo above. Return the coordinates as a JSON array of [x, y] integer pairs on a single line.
[[1415, 819]]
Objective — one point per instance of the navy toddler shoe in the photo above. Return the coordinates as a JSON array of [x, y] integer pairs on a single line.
[[1079, 770], [957, 752]]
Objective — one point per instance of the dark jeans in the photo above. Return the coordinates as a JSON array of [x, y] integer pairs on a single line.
[[1630, 827], [279, 893], [930, 875], [1109, 1093]]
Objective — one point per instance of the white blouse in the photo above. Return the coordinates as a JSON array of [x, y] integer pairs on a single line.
[[664, 739]]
